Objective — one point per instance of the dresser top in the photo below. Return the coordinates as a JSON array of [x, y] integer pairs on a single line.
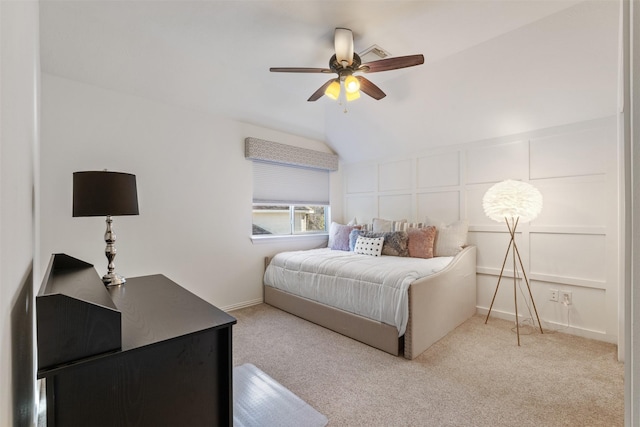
[[155, 309], [80, 321]]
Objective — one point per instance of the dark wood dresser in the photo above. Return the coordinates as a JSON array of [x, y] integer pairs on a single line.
[[146, 353]]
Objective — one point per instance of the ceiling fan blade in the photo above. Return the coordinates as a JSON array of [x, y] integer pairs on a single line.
[[318, 94], [299, 70], [392, 63], [370, 89], [343, 44]]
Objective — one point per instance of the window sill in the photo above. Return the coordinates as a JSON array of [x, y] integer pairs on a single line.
[[293, 237]]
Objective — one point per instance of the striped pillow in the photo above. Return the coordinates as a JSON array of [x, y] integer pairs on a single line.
[[407, 225], [366, 227], [384, 225]]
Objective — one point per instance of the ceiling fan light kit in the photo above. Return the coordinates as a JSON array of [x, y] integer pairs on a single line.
[[352, 96], [333, 90], [345, 63], [351, 84]]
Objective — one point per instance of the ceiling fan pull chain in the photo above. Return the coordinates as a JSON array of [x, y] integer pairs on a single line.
[[342, 97]]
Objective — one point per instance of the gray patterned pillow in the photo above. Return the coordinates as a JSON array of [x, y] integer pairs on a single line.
[[395, 242]]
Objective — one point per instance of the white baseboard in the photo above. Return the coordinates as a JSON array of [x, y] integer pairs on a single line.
[[240, 305], [504, 315], [552, 326]]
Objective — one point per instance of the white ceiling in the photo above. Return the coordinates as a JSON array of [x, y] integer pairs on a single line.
[[492, 67]]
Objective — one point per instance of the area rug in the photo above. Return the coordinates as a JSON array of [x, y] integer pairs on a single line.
[[261, 401]]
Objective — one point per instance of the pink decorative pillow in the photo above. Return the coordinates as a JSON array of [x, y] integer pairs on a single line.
[[421, 241], [339, 236]]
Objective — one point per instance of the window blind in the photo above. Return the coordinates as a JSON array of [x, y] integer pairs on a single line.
[[278, 183]]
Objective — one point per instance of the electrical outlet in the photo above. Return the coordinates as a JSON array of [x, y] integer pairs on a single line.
[[553, 295], [565, 298]]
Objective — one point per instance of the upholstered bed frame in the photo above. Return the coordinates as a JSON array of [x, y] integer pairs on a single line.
[[437, 305]]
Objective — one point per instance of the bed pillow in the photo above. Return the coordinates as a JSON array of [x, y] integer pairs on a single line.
[[366, 227], [395, 242], [381, 225], [339, 236], [369, 245], [421, 241], [407, 225], [353, 236], [385, 225], [450, 238]]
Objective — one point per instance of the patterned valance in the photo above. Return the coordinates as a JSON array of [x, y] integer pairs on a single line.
[[259, 149]]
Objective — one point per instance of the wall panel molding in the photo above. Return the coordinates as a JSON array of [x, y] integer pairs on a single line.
[[573, 281], [598, 231], [564, 248], [395, 176], [438, 170]]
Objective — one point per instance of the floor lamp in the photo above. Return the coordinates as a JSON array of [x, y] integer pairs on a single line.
[[513, 202]]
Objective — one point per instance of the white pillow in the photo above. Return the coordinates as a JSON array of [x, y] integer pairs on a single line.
[[369, 246], [450, 238]]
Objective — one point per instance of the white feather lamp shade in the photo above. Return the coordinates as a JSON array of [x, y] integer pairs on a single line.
[[512, 199]]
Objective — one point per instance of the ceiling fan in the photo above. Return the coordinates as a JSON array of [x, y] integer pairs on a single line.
[[345, 63]]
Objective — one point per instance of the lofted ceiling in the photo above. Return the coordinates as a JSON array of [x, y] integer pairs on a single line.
[[492, 67]]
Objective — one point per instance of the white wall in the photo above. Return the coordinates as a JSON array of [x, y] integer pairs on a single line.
[[194, 190], [19, 72], [573, 244]]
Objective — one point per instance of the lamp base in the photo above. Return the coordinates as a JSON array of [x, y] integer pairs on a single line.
[[113, 279], [514, 249]]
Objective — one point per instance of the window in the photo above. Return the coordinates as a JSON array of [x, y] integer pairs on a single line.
[[288, 219], [289, 200], [290, 188]]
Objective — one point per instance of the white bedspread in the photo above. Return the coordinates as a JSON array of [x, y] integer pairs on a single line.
[[373, 287]]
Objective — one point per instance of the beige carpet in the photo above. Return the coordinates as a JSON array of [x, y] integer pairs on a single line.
[[475, 376]]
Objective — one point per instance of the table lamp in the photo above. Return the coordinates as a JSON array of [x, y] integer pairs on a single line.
[[103, 193], [513, 202]]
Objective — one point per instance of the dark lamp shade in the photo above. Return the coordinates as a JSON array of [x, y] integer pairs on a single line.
[[102, 193]]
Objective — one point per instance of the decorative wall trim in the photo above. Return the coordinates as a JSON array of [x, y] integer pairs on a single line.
[[579, 223], [259, 149]]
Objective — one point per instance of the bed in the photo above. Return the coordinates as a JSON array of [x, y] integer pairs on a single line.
[[432, 298]]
